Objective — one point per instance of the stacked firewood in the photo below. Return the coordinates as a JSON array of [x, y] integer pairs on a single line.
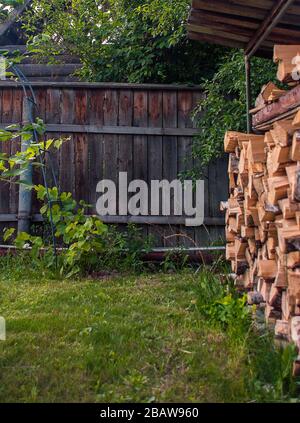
[[263, 214]]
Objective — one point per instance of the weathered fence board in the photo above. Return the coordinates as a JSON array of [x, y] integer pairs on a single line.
[[144, 130]]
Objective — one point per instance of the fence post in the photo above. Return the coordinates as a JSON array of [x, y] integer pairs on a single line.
[[25, 196]]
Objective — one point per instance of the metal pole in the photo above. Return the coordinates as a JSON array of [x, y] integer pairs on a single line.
[[25, 196], [248, 93]]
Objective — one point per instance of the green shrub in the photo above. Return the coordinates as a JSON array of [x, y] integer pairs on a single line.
[[228, 311], [85, 242]]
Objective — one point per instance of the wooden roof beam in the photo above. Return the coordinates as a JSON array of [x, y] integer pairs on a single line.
[[199, 15], [215, 40], [264, 51], [278, 35], [229, 8], [238, 34], [267, 26]]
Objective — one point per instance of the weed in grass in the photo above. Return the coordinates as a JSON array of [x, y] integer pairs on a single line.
[[209, 288], [174, 261], [263, 370]]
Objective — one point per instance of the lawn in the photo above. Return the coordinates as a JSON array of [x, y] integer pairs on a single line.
[[120, 338]]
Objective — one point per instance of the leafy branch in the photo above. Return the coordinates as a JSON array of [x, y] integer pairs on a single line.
[[13, 166], [223, 107]]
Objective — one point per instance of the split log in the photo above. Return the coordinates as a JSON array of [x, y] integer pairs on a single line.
[[285, 56], [282, 329]]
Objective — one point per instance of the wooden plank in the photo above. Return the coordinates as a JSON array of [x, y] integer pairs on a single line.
[[170, 169], [81, 149], [66, 153], [140, 152], [238, 35], [217, 172], [140, 118], [155, 153], [81, 168], [95, 100], [102, 85], [110, 164], [212, 39], [53, 114], [125, 108], [200, 16], [150, 220], [185, 159], [118, 130], [125, 142], [286, 103], [50, 71], [241, 35], [213, 24], [229, 8], [245, 8], [171, 221], [260, 4], [67, 108], [81, 112], [264, 51], [53, 105]]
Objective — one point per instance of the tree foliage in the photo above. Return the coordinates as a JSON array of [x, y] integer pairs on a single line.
[[224, 105], [7, 6], [127, 41]]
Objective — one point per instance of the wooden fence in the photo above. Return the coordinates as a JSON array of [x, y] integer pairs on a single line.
[[144, 130]]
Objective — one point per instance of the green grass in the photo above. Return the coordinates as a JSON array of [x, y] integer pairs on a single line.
[[125, 338]]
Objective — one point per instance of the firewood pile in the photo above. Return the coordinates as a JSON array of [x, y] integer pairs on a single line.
[[263, 210]]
